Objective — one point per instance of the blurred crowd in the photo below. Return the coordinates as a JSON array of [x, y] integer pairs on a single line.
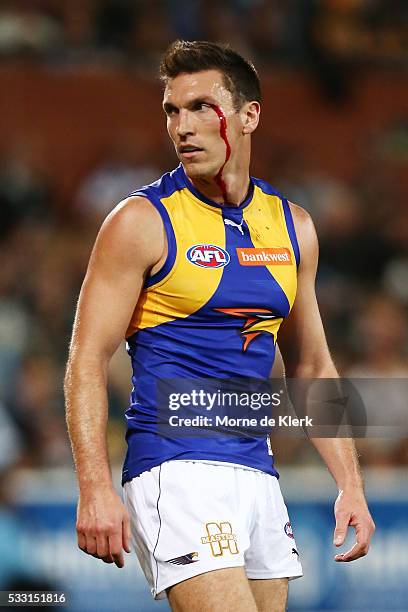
[[136, 31], [362, 222]]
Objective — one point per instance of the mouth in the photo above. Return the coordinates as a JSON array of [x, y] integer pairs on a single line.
[[189, 151]]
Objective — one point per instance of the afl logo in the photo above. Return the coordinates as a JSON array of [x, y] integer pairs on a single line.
[[208, 256], [288, 530]]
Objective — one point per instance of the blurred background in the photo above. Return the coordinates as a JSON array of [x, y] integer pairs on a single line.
[[80, 127]]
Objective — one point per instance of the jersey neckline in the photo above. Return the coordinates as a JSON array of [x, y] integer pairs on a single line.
[[189, 185]]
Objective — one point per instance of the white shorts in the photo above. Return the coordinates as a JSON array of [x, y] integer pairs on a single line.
[[189, 517]]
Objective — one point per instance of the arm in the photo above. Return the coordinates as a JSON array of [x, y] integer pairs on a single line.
[[129, 244], [306, 355]]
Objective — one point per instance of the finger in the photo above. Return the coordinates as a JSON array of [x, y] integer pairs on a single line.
[[108, 559], [126, 535], [102, 545], [340, 532], [81, 541], [119, 560], [359, 548], [342, 557], [115, 549], [90, 546]]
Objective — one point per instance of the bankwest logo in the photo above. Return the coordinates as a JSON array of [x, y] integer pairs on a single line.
[[220, 538], [264, 257]]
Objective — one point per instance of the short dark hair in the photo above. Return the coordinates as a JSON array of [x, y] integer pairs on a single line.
[[240, 76]]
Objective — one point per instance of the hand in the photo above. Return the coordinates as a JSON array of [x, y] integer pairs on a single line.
[[350, 508], [103, 525]]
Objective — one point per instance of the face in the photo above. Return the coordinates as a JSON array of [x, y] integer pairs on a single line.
[[194, 126]]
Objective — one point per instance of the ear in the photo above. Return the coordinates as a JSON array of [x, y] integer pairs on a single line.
[[249, 114]]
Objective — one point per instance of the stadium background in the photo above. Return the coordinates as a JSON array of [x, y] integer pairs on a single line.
[[80, 126]]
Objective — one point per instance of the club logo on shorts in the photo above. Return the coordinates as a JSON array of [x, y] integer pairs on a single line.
[[288, 530], [184, 559], [220, 538], [208, 256]]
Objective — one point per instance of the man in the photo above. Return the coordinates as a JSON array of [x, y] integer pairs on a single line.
[[198, 271]]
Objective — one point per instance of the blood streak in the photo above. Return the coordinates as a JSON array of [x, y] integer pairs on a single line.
[[223, 133]]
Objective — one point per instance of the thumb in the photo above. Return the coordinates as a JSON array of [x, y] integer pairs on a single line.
[[340, 530]]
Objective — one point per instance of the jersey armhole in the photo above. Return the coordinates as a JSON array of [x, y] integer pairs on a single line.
[[291, 230], [171, 238]]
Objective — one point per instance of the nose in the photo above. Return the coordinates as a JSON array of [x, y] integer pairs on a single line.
[[185, 123]]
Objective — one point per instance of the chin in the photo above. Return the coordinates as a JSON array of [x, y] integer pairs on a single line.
[[197, 170]]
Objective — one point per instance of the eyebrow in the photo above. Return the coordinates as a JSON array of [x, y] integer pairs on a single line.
[[168, 106]]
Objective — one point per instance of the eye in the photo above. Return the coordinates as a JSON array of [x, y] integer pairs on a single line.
[[202, 106], [171, 111]]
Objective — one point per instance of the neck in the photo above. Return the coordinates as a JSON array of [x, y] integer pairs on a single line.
[[232, 193], [230, 185]]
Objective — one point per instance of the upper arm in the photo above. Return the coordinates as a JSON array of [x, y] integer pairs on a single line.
[[301, 338], [130, 242]]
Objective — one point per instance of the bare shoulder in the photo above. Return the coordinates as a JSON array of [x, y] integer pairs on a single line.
[[302, 220], [133, 229], [305, 233], [133, 221]]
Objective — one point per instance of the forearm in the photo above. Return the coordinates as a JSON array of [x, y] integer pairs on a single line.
[[87, 415], [339, 454]]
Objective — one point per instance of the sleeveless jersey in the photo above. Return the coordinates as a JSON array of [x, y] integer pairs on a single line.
[[212, 310]]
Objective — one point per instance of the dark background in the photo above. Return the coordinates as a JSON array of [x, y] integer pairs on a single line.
[[81, 125]]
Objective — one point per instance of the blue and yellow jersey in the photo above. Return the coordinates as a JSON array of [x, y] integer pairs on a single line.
[[213, 310]]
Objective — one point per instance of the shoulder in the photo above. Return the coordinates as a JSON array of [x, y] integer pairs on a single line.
[[302, 220], [305, 233], [134, 210], [133, 229]]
